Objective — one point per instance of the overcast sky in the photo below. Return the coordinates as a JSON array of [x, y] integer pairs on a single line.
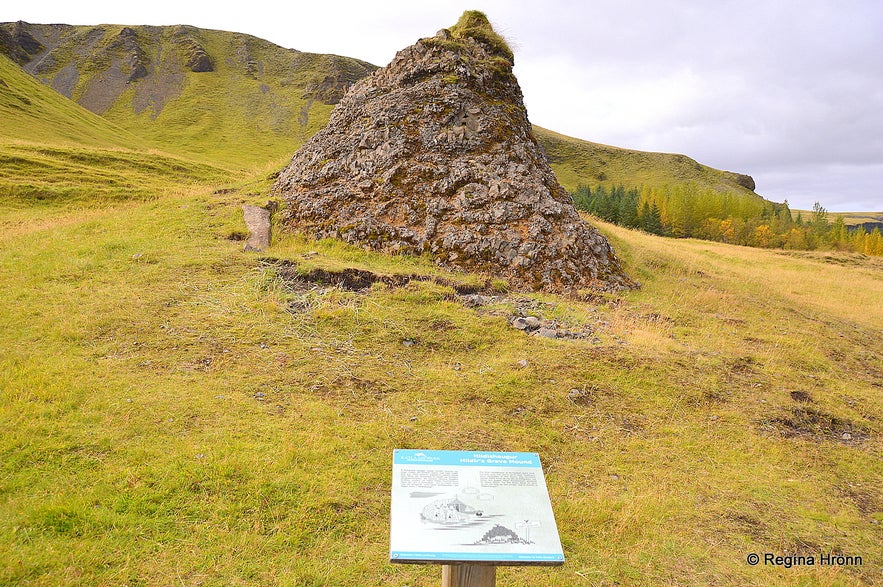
[[788, 91]]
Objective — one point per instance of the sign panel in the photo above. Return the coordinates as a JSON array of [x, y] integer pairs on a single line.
[[468, 507]]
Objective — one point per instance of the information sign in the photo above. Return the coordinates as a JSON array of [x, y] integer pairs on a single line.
[[471, 507]]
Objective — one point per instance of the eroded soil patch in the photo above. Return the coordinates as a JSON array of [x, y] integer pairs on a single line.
[[359, 280], [815, 424], [525, 314]]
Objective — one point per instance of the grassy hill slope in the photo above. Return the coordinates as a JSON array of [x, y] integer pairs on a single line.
[[576, 161], [176, 411], [213, 95], [31, 112], [53, 150]]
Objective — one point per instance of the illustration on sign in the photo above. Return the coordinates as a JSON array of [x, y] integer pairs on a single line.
[[450, 506]]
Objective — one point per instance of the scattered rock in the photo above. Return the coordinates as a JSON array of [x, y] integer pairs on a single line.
[[545, 332], [579, 396], [360, 280], [478, 300], [532, 322], [551, 329], [519, 323], [526, 323]]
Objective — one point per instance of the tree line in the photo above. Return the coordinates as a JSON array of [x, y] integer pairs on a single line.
[[686, 211]]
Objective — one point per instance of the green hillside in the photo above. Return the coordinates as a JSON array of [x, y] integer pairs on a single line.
[[31, 112], [217, 96], [55, 151], [576, 162]]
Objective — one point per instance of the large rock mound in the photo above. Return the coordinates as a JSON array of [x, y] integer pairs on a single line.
[[434, 153]]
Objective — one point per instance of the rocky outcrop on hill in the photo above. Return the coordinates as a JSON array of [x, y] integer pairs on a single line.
[[434, 154], [17, 42], [746, 181], [126, 46], [196, 57]]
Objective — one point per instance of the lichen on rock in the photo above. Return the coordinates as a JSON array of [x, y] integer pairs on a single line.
[[434, 154]]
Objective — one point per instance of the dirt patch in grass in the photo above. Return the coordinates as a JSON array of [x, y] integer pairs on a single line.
[[744, 366], [747, 524], [804, 422], [360, 280], [802, 397]]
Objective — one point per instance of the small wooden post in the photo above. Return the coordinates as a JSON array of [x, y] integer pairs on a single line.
[[469, 576]]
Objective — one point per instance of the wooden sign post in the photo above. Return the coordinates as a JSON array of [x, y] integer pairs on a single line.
[[471, 512], [469, 576]]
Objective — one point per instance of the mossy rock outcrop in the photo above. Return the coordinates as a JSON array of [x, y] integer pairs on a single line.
[[434, 154]]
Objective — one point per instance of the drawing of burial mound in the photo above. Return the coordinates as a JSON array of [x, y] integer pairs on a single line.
[[501, 535], [451, 512], [434, 154]]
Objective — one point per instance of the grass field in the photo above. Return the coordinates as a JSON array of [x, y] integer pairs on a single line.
[[177, 412]]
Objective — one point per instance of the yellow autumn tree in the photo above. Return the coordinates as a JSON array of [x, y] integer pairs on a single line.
[[763, 236]]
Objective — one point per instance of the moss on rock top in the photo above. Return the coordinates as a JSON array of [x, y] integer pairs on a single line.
[[475, 24]]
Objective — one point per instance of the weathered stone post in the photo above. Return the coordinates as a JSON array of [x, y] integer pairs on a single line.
[[257, 220]]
